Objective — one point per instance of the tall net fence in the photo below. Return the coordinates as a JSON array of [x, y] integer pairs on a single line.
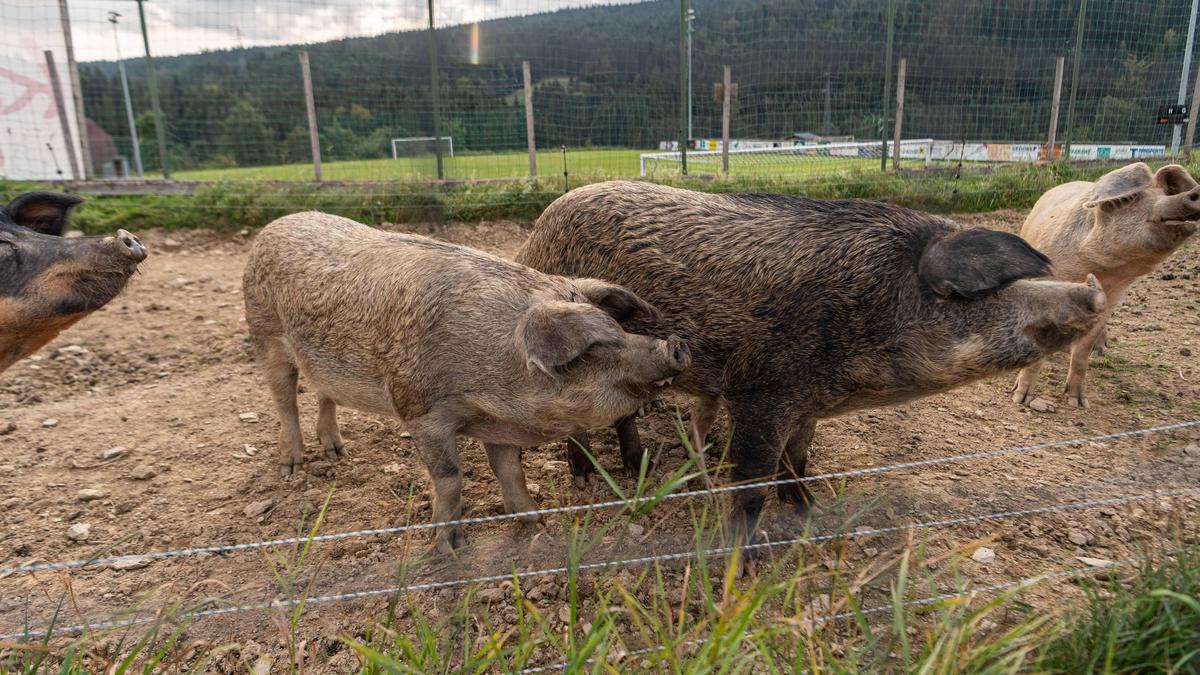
[[608, 83]]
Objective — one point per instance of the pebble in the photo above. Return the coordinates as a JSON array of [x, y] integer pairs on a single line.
[[1094, 562], [1077, 537], [113, 453], [7, 428], [984, 555], [405, 434], [250, 450], [130, 564], [51, 422], [1184, 351], [254, 509], [79, 532], [170, 245], [142, 473], [635, 530], [90, 494], [490, 595], [249, 417], [72, 350], [1041, 405], [1192, 449], [318, 468], [564, 613]]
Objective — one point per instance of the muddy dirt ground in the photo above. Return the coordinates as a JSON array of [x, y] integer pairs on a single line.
[[165, 374]]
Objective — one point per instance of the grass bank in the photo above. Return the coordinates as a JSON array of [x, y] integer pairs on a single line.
[[234, 205]]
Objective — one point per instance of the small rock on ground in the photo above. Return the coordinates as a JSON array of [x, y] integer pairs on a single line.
[[113, 453], [90, 494], [51, 422], [250, 417], [258, 508], [1077, 537], [79, 532], [1041, 405], [984, 555]]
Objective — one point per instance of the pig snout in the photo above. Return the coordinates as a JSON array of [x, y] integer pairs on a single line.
[[676, 352], [128, 246], [1183, 206]]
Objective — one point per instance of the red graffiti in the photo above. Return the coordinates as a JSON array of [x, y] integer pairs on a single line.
[[29, 89]]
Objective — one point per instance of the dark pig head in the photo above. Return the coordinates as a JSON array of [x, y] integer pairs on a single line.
[[47, 281]]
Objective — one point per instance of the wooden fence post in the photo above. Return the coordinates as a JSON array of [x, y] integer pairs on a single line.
[[899, 113], [529, 120], [1054, 103], [310, 105]]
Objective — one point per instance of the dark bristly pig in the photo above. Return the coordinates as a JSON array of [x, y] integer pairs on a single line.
[[49, 282], [1119, 228], [450, 340], [798, 309]]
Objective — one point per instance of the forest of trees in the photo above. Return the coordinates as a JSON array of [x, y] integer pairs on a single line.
[[609, 77]]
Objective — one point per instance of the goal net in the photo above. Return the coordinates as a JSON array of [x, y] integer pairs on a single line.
[[419, 146], [790, 160]]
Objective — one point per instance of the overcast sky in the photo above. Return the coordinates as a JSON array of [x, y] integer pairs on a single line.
[[189, 26]]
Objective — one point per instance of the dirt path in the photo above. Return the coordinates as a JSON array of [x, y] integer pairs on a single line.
[[165, 373]]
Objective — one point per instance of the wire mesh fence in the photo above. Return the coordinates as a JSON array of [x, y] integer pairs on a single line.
[[608, 82]]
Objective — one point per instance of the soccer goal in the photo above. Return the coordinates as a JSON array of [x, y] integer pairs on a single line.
[[787, 160], [415, 146]]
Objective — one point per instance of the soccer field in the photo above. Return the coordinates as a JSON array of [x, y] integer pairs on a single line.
[[594, 163], [590, 163]]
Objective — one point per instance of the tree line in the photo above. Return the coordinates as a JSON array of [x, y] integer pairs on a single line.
[[610, 77]]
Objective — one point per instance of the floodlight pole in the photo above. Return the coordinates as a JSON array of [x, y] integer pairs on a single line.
[[133, 134], [160, 130], [1183, 76], [683, 93]]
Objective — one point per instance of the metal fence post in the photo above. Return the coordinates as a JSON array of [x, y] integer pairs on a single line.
[[76, 91], [683, 102], [434, 82], [1056, 98], [899, 113], [726, 94], [1075, 59], [887, 83], [76, 171], [311, 107], [159, 129], [530, 141], [1183, 75]]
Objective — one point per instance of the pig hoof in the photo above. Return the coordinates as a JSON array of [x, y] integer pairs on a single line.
[[1079, 401], [288, 470], [335, 453], [581, 482], [1022, 396], [450, 540], [798, 496]]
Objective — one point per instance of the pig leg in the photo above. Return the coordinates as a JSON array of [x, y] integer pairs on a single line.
[[704, 413], [755, 449], [630, 443], [505, 461], [577, 459], [1101, 342], [1022, 391], [793, 465], [439, 451], [282, 378], [327, 429], [1077, 374]]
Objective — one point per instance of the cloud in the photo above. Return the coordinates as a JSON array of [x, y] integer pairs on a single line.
[[190, 26]]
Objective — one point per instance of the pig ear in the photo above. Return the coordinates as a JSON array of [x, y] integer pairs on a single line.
[[553, 334], [1123, 183], [1174, 179], [620, 302], [44, 212], [977, 262]]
